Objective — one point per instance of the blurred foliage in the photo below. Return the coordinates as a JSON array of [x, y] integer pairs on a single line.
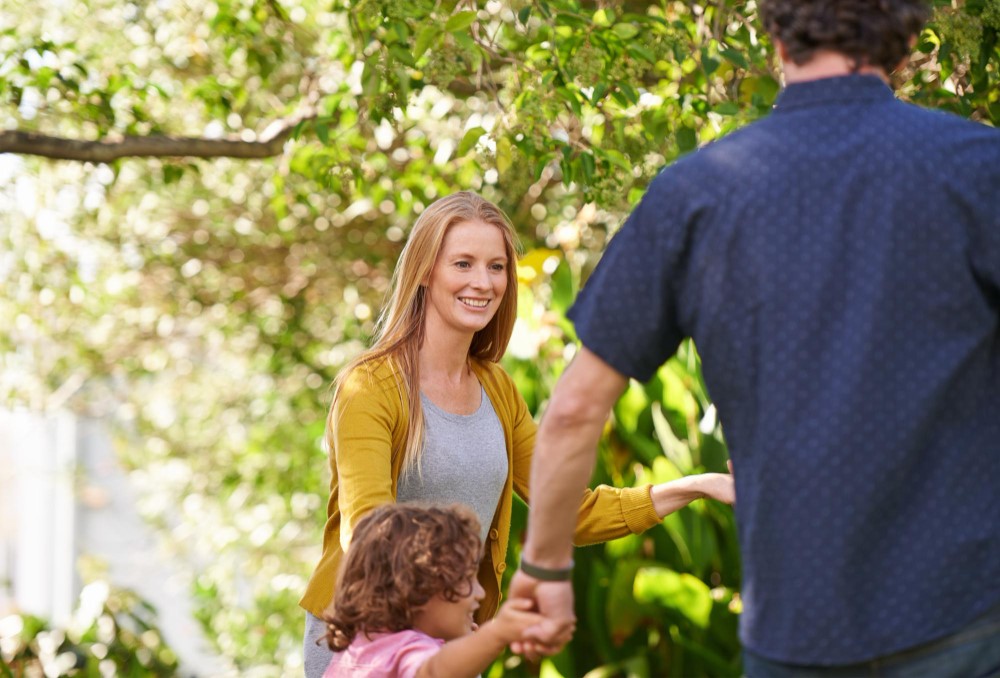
[[205, 305], [112, 633]]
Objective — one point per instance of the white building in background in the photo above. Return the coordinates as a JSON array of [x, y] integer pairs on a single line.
[[63, 496]]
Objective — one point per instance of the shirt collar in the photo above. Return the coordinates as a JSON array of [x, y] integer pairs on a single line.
[[837, 90]]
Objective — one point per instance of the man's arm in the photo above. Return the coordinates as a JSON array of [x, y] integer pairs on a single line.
[[565, 452]]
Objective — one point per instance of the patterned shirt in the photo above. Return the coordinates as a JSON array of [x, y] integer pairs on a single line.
[[838, 266]]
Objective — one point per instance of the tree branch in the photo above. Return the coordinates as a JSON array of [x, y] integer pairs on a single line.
[[105, 150]]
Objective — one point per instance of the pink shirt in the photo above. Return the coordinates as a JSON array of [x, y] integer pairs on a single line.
[[385, 655]]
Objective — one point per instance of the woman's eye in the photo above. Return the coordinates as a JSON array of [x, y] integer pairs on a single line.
[[499, 267], [462, 264]]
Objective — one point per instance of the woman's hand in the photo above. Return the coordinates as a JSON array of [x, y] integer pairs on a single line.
[[676, 494]]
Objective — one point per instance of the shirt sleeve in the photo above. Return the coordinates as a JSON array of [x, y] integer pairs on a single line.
[[627, 310], [414, 654], [362, 421]]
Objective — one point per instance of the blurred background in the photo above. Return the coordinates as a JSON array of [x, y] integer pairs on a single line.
[[200, 204]]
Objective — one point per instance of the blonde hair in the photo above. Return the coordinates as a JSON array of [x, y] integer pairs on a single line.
[[399, 332]]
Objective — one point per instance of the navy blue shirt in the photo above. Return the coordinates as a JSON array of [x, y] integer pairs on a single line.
[[838, 266]]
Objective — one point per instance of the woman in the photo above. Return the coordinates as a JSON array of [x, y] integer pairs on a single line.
[[428, 414]]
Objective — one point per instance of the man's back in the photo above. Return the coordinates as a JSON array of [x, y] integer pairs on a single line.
[[838, 265]]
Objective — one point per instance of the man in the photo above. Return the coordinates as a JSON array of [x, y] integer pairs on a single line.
[[838, 266]]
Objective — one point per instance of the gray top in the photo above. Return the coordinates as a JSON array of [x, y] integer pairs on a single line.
[[464, 461]]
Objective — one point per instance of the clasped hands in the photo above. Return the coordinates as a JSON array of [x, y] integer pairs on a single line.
[[553, 603]]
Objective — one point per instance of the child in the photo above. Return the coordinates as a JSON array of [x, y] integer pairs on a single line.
[[406, 596]]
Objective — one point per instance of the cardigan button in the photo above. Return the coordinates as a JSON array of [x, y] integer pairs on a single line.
[[501, 567], [494, 535]]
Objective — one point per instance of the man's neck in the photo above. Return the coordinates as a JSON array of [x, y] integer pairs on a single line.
[[826, 65]]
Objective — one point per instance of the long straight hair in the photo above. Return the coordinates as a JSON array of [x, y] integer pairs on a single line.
[[399, 331]]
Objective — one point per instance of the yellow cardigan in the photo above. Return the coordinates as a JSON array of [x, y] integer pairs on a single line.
[[369, 422]]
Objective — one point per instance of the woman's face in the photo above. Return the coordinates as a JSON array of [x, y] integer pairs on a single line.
[[468, 280]]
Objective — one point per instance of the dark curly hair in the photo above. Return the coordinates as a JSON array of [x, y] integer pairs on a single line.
[[401, 556], [869, 32]]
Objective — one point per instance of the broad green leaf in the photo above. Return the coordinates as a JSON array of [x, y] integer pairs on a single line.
[[682, 592], [459, 22], [469, 140], [587, 167], [625, 31], [424, 39], [735, 57], [686, 139], [632, 403], [640, 52], [323, 132], [675, 449], [504, 155]]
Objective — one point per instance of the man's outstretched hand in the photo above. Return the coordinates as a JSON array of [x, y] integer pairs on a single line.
[[554, 601]]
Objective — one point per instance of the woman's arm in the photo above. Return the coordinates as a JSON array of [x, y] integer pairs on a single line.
[[470, 655], [607, 512], [361, 424], [676, 494]]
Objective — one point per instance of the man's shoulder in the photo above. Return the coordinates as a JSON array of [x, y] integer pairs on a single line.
[[711, 166], [946, 121]]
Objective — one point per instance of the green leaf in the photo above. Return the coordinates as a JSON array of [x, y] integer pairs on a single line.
[[681, 592], [624, 614], [459, 22], [640, 52], [524, 14], [675, 449], [686, 139], [735, 57], [571, 97], [587, 166], [402, 54], [370, 77], [616, 158], [469, 140], [629, 92], [625, 31], [505, 155], [323, 132], [425, 37]]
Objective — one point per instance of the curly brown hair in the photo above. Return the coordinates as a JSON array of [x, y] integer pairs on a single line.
[[869, 32], [401, 556]]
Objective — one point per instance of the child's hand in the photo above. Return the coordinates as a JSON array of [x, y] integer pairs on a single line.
[[513, 618]]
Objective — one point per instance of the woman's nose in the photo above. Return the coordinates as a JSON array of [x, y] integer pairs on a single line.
[[481, 280], [478, 592]]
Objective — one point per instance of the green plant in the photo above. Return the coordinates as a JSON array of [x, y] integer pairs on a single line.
[[112, 633]]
